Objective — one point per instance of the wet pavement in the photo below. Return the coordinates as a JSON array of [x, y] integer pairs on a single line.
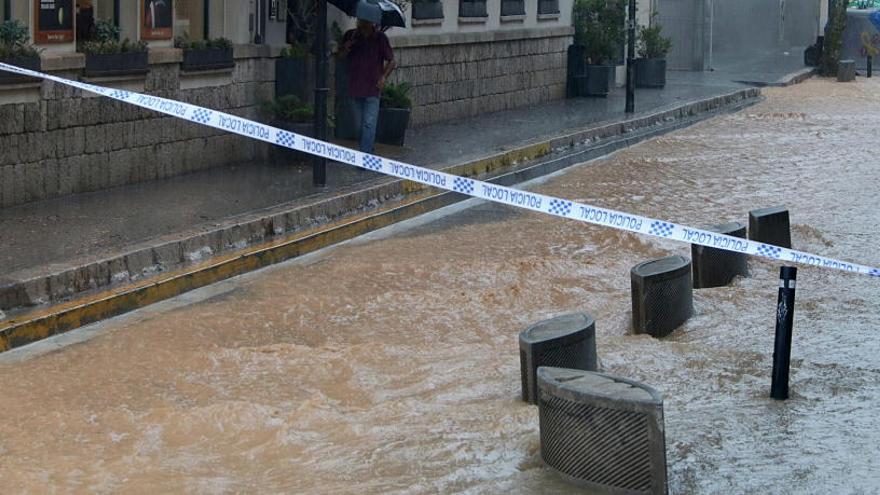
[[81, 229], [389, 364]]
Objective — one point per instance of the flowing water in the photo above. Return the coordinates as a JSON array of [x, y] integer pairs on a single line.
[[390, 364]]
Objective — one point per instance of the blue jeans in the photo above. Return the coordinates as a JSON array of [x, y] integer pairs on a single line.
[[367, 112]]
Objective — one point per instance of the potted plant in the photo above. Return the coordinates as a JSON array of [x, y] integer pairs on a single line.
[[653, 47], [15, 50], [294, 73], [208, 54], [395, 107], [107, 56], [295, 67], [288, 112], [599, 29]]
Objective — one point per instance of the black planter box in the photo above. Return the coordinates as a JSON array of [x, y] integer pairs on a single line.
[[427, 9], [116, 64], [472, 9], [32, 63], [548, 7], [295, 77], [650, 72], [576, 68], [346, 124], [513, 7], [285, 156], [597, 82], [207, 59], [391, 128]]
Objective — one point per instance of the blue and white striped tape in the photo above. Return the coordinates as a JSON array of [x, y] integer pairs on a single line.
[[471, 187]]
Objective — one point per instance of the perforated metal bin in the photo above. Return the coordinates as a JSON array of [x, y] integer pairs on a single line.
[[717, 267], [602, 432], [567, 341], [770, 226], [662, 295]]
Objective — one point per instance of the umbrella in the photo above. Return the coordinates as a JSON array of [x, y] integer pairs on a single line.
[[381, 12]]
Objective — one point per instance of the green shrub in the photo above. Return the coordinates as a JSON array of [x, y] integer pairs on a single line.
[[294, 51], [289, 108], [14, 41], [183, 42], [106, 31], [395, 96], [599, 28], [652, 43], [107, 41], [114, 46]]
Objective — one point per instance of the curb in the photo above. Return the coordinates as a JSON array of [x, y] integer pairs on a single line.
[[172, 268], [787, 80]]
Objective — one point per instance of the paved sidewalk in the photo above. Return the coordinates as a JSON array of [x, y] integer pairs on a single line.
[[61, 247]]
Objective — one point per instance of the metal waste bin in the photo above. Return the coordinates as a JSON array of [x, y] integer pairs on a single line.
[[602, 432], [567, 341], [662, 295]]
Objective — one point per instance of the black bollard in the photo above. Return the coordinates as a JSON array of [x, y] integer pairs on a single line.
[[870, 65], [784, 319]]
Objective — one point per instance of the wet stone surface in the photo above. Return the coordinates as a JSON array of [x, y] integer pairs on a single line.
[[390, 364]]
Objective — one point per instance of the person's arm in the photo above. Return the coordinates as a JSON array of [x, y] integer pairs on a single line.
[[389, 66]]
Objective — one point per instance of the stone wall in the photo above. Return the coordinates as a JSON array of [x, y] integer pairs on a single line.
[[464, 74], [56, 140], [60, 141]]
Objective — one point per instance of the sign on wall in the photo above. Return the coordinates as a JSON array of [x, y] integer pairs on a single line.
[[861, 37], [54, 21], [157, 19]]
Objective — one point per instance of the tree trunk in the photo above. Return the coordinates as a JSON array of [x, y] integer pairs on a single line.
[[834, 39]]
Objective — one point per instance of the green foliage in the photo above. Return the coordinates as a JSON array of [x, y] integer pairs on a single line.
[[183, 42], [652, 43], [599, 27], [13, 33], [395, 96], [106, 31], [294, 51], [289, 108], [864, 4], [833, 40], [114, 46], [14, 41]]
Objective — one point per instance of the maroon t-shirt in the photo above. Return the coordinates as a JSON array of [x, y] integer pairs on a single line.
[[366, 63]]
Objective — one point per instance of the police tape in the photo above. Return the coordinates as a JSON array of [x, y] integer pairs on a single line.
[[471, 187]]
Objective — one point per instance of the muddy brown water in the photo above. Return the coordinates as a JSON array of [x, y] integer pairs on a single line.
[[390, 364]]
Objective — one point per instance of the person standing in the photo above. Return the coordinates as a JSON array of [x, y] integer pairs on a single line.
[[370, 62]]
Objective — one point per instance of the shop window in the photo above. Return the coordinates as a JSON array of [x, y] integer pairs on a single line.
[[85, 21], [189, 19]]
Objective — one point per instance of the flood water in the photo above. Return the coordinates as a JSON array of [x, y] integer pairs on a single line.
[[390, 364]]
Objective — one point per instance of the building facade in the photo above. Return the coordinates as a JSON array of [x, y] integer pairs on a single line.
[[461, 57]]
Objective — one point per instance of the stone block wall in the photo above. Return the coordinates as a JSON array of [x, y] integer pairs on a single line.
[[465, 74], [56, 140], [63, 141]]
